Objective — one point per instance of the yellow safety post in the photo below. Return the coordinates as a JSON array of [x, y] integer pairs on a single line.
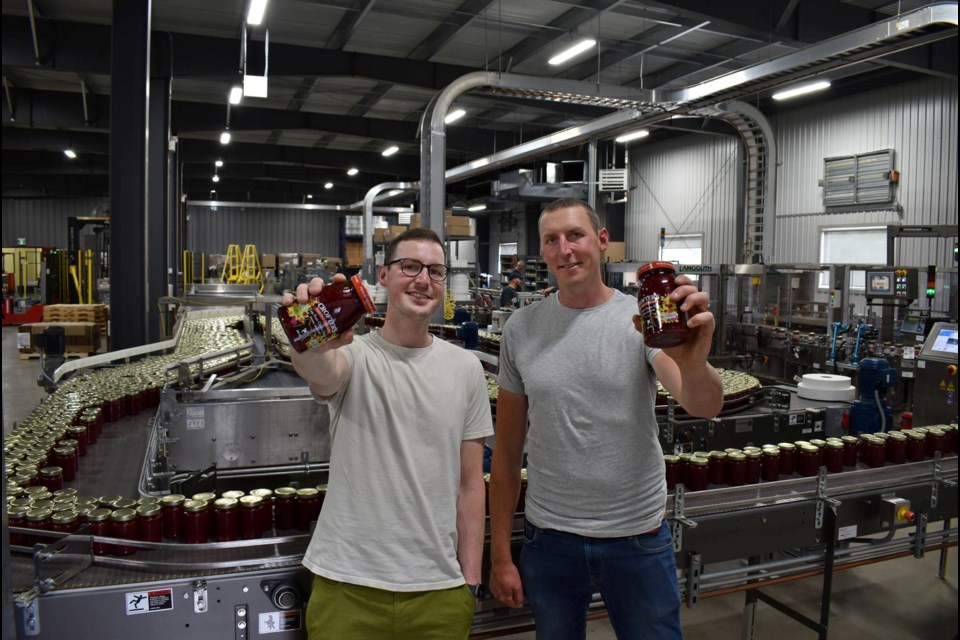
[[231, 268], [89, 260], [250, 267]]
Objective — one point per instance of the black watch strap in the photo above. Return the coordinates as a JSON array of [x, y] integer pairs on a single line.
[[479, 591]]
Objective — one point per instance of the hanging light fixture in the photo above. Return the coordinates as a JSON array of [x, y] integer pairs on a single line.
[[576, 49]]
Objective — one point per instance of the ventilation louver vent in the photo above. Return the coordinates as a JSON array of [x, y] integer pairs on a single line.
[[613, 179]]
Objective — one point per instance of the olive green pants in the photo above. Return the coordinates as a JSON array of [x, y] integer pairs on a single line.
[[343, 611]]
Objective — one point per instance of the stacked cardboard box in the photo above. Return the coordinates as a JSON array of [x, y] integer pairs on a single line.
[[96, 313], [81, 337], [457, 225]]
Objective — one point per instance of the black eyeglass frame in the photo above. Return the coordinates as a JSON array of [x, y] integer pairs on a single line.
[[413, 261]]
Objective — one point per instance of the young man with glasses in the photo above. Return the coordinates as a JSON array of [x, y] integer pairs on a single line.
[[397, 548], [575, 366]]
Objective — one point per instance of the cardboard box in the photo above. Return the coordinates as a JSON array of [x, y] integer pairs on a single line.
[[268, 261], [354, 252], [415, 221], [614, 252], [458, 227], [80, 337], [287, 260], [379, 235], [394, 231]]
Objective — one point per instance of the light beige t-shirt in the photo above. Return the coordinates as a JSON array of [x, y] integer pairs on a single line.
[[389, 520]]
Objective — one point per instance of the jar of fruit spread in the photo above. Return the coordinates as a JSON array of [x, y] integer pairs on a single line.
[[660, 319]]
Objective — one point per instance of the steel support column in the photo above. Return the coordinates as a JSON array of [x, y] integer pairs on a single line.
[[130, 62], [159, 209]]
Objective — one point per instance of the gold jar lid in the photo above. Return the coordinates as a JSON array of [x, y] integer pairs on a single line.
[[671, 459], [17, 509], [737, 457], [916, 435], [262, 493], [883, 435], [194, 506], [49, 472], [38, 515], [730, 450], [225, 504], [123, 515], [685, 457], [770, 451], [702, 454], [290, 492], [308, 492], [64, 517], [172, 500], [800, 443], [718, 455], [108, 500], [809, 448], [149, 500], [249, 502], [34, 491], [148, 510], [898, 436], [849, 439], [234, 494], [125, 503], [206, 496], [936, 432], [817, 442], [67, 491], [835, 444], [698, 461]]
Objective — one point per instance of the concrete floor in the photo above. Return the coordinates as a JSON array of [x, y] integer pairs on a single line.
[[897, 600]]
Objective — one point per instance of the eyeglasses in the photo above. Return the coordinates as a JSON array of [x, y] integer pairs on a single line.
[[412, 268]]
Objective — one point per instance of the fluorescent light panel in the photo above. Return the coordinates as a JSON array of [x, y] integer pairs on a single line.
[[70, 153], [236, 94], [218, 163], [801, 90], [576, 49], [477, 207], [352, 171], [216, 178], [454, 115], [389, 151], [328, 185], [633, 135], [255, 11], [225, 137]]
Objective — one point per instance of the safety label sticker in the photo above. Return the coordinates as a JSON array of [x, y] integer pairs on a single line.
[[195, 418], [844, 533], [148, 601], [277, 621]]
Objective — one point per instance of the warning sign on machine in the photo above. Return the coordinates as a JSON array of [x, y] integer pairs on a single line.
[[148, 601]]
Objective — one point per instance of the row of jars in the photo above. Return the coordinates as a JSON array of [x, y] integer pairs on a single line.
[[201, 518], [736, 467]]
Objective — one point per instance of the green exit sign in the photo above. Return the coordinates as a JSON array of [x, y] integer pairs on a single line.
[[21, 242]]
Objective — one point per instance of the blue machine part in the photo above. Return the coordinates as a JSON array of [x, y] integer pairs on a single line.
[[870, 412]]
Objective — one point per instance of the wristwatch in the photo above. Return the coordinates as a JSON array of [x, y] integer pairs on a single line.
[[479, 590]]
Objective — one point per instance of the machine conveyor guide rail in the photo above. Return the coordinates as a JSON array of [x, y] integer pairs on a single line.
[[823, 500]]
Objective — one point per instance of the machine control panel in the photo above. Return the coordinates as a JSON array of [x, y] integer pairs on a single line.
[[892, 282]]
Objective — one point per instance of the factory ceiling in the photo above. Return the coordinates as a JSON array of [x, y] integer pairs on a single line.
[[348, 78]]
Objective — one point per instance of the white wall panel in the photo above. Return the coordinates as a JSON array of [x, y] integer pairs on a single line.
[[686, 185], [918, 120]]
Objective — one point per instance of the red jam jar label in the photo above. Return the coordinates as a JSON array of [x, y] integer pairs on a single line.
[[335, 310], [659, 318]]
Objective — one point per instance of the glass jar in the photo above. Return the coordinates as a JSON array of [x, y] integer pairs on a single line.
[[251, 520], [98, 522], [821, 446], [698, 476], [123, 525], [89, 422], [226, 519], [65, 521], [717, 467], [659, 318], [916, 445], [38, 520], [284, 508], [149, 523], [736, 469], [684, 463], [265, 510], [78, 433], [17, 517], [788, 458], [195, 523], [51, 478], [896, 446], [171, 512], [671, 465], [808, 457], [308, 507], [833, 456], [338, 307], [752, 468], [876, 451], [68, 459], [770, 464], [849, 451], [936, 441]]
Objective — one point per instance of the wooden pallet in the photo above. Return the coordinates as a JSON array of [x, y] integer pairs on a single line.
[[71, 355]]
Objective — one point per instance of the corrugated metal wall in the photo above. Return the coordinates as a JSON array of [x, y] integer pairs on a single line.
[[43, 223], [687, 185], [918, 120], [271, 230]]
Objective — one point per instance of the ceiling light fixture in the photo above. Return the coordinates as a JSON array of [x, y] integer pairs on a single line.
[[218, 164], [70, 153], [236, 94], [225, 137], [352, 171], [801, 90], [328, 185], [389, 151], [576, 49], [477, 207], [216, 178], [633, 135], [454, 115], [309, 196], [255, 11]]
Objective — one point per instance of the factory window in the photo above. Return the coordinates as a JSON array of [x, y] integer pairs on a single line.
[[851, 246], [685, 249]]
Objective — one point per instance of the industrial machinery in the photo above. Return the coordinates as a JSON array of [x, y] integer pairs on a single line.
[[936, 382], [870, 413]]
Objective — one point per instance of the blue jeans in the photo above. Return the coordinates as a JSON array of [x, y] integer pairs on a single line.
[[636, 575]]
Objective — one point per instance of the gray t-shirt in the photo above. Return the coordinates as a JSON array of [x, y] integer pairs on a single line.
[[389, 520], [594, 463]]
